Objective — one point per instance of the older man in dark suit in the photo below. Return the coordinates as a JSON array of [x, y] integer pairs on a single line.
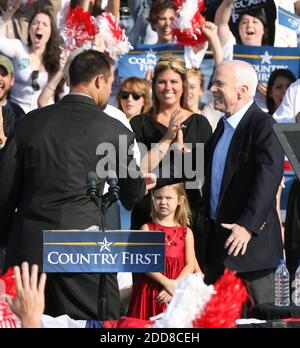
[[244, 169], [43, 174]]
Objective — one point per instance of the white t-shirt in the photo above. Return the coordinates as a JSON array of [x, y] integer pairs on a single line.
[[290, 105]]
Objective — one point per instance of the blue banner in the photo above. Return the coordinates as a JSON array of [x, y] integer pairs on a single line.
[[289, 20], [266, 59], [144, 57], [102, 252]]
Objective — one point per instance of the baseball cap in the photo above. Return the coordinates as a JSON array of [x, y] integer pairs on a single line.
[[7, 64]]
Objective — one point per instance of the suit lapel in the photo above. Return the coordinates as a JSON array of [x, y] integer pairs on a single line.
[[235, 150]]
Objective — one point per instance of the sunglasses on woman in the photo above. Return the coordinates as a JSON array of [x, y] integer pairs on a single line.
[[34, 83], [135, 96]]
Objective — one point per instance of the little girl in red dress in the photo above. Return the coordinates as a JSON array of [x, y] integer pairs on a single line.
[[170, 213]]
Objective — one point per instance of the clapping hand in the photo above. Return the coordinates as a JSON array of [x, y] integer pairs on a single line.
[[174, 125], [179, 142]]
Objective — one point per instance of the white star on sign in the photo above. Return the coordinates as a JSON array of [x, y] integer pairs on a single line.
[[151, 54], [104, 244], [266, 58]]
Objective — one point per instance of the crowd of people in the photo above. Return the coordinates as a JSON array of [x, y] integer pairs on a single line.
[[54, 114]]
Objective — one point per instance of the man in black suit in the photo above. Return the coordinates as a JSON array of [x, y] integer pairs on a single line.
[[43, 182], [244, 168]]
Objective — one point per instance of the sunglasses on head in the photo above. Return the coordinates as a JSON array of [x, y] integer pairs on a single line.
[[135, 96], [34, 83]]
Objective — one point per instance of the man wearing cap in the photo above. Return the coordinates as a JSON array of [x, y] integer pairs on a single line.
[[10, 111]]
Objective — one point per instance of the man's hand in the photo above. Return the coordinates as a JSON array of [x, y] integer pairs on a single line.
[[238, 239], [150, 181], [30, 300]]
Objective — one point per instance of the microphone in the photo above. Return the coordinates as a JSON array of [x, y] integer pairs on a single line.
[[91, 182], [114, 189]]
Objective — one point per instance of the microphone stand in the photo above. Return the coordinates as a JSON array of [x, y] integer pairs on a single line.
[[106, 201]]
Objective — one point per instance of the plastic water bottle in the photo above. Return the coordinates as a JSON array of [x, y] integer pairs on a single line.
[[297, 286], [282, 285]]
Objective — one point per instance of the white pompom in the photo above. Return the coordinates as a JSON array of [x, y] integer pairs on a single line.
[[189, 300]]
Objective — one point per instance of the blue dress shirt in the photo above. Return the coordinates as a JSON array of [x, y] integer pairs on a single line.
[[220, 156]]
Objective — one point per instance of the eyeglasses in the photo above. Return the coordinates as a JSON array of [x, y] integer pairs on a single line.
[[135, 96], [34, 84]]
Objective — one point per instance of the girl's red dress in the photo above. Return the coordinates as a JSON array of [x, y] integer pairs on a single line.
[[145, 290]]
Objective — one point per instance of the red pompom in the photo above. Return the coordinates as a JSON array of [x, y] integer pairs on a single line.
[[7, 286], [187, 26], [79, 30], [225, 306]]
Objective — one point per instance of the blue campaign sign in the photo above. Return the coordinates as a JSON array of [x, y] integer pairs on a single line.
[[101, 252], [265, 59], [144, 57], [289, 19]]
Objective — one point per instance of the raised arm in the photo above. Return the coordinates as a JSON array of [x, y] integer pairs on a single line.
[[7, 15], [49, 90], [211, 31], [222, 19], [113, 6]]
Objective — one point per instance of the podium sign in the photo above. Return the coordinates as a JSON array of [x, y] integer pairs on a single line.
[[103, 252]]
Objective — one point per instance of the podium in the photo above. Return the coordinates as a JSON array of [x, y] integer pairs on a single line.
[[103, 252]]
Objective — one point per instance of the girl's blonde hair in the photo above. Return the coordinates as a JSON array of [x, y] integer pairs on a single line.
[[182, 213]]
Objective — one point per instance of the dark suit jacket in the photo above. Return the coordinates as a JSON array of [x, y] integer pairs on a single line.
[[252, 174], [43, 172]]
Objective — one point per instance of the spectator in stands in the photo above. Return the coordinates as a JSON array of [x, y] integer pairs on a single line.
[[16, 15], [6, 82], [134, 96], [289, 109], [9, 110], [34, 63], [279, 82], [252, 31], [195, 85]]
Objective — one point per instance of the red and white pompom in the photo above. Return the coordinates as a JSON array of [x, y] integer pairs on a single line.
[[7, 286], [114, 37], [188, 23], [79, 30], [225, 306]]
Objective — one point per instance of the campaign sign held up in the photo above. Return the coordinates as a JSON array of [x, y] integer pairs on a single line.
[[289, 20], [144, 57], [98, 252], [266, 59]]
